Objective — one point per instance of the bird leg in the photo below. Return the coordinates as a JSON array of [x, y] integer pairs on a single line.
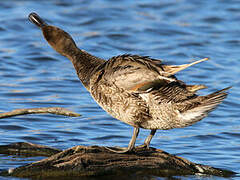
[[130, 145], [148, 139]]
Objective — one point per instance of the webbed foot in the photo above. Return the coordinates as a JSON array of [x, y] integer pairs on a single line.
[[130, 145], [119, 149]]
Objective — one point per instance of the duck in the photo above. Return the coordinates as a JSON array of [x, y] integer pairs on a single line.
[[138, 90]]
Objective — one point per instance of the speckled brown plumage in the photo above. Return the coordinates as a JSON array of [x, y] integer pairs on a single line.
[[137, 90]]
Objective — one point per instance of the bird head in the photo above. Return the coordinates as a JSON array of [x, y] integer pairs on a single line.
[[60, 40]]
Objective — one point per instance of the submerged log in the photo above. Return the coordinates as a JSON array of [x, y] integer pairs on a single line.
[[28, 149], [96, 161]]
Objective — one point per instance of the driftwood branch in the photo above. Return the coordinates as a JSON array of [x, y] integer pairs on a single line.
[[51, 110], [82, 161]]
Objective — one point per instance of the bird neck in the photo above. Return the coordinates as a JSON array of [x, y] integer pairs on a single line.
[[84, 64]]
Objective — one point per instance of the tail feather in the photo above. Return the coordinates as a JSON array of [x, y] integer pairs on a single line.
[[220, 92], [206, 104]]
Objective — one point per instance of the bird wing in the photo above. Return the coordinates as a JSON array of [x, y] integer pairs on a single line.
[[141, 73], [132, 72]]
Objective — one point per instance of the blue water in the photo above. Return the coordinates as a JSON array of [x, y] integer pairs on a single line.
[[177, 31]]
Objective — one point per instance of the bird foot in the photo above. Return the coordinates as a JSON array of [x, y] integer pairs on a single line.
[[119, 150], [143, 146]]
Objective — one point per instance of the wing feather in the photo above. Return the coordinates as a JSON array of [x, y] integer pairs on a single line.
[[139, 73], [131, 72]]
